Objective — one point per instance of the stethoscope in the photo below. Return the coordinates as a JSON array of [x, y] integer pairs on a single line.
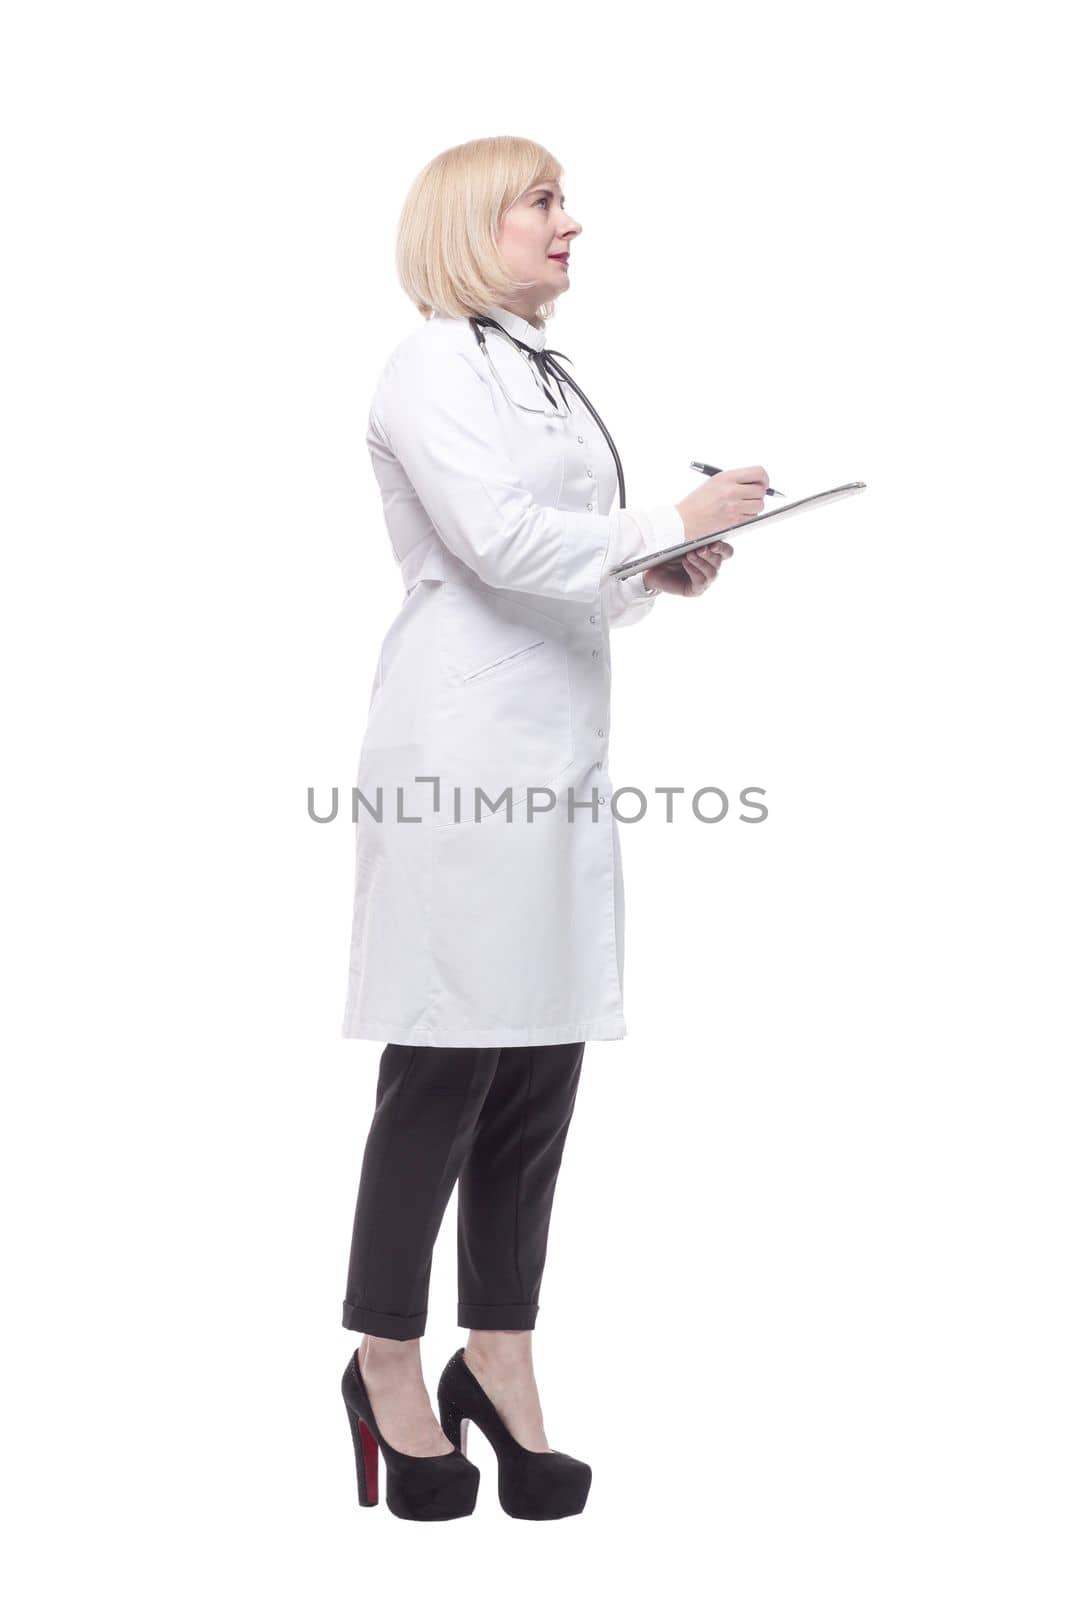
[[546, 367]]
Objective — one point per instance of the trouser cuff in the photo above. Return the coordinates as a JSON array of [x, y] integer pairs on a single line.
[[382, 1324], [507, 1317]]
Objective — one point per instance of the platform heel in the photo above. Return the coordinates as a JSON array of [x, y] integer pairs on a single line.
[[536, 1485], [417, 1488], [366, 1447]]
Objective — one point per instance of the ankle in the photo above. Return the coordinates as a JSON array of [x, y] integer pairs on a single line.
[[503, 1351], [390, 1357]]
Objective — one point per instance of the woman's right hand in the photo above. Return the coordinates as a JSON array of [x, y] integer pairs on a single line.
[[730, 497]]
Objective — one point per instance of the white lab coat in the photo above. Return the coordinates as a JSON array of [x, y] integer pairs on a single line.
[[495, 673]]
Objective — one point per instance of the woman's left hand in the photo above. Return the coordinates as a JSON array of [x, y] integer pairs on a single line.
[[690, 574]]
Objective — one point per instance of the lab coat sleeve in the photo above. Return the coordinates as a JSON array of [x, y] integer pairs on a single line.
[[626, 600], [437, 412]]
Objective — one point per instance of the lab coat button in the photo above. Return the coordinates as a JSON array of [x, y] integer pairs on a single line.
[[589, 505], [600, 733], [595, 654], [593, 617], [580, 439], [589, 472]]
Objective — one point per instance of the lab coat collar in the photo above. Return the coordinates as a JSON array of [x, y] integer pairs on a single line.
[[518, 327]]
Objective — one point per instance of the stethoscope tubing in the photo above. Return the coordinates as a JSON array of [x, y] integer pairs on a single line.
[[561, 377]]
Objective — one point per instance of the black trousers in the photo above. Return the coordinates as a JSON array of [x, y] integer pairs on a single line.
[[494, 1119]]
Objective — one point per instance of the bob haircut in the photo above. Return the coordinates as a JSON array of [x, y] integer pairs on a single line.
[[446, 248]]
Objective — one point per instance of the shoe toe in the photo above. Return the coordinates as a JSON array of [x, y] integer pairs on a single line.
[[545, 1485], [446, 1487]]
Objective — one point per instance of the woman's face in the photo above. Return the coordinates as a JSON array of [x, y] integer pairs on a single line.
[[533, 232]]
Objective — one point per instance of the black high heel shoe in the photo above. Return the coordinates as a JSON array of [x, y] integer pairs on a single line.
[[419, 1488], [535, 1484]]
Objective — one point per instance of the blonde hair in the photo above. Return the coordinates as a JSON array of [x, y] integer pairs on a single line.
[[446, 246]]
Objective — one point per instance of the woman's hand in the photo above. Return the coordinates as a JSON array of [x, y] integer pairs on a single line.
[[690, 574], [724, 501]]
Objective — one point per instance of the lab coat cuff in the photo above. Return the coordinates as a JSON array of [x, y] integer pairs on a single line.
[[651, 529], [634, 589]]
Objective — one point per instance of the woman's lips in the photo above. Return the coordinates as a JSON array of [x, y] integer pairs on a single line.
[[564, 259]]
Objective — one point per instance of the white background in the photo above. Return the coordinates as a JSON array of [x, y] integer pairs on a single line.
[[804, 1304]]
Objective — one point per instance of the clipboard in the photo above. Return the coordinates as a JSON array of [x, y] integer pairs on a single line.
[[810, 502]]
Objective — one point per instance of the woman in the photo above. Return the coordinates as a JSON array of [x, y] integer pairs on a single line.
[[487, 938]]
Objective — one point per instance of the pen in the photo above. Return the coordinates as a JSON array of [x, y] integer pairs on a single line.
[[709, 472]]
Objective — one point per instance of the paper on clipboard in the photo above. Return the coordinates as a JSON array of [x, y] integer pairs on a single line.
[[672, 552]]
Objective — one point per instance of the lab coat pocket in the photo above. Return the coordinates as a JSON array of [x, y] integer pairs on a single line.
[[512, 655], [506, 704]]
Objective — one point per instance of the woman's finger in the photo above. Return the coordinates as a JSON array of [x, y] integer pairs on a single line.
[[700, 573]]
